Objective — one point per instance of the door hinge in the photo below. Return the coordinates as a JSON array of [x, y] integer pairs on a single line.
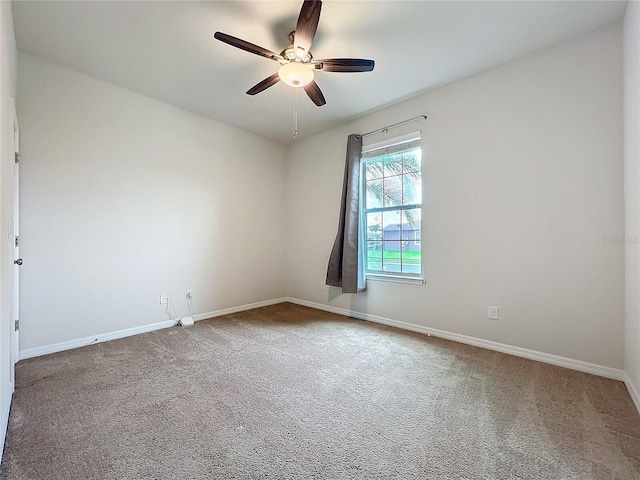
[[17, 325], [17, 157], [17, 242]]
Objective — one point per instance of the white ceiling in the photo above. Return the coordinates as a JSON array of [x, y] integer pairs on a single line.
[[166, 50]]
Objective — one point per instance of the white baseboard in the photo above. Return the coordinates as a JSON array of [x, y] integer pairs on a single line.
[[565, 362], [83, 342], [4, 416], [105, 337], [578, 365], [633, 391], [241, 308]]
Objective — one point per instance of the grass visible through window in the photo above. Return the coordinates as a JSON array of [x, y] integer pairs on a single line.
[[393, 256]]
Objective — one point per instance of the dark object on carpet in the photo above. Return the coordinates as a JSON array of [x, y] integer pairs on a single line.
[[288, 392]]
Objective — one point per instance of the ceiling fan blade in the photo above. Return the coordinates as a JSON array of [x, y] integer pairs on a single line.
[[315, 94], [307, 24], [246, 46], [345, 65], [264, 84]]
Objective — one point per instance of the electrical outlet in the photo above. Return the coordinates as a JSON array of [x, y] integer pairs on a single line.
[[323, 287], [494, 313], [189, 294], [163, 299]]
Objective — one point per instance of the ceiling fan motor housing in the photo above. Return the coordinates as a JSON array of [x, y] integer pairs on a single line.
[[290, 53]]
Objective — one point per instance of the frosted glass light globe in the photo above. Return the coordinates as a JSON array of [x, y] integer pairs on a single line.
[[295, 74]]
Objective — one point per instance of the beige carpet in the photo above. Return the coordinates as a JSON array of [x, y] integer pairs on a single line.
[[287, 392]]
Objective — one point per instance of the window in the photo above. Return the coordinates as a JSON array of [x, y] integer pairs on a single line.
[[391, 212]]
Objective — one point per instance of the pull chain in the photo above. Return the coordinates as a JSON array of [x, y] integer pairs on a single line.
[[295, 113]]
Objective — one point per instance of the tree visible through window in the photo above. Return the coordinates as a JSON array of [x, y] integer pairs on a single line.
[[392, 209]]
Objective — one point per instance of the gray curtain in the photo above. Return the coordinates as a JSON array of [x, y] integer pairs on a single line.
[[345, 269]]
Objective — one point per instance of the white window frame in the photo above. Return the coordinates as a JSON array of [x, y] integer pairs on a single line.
[[376, 150]]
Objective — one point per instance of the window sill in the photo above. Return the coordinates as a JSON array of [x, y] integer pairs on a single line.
[[395, 279]]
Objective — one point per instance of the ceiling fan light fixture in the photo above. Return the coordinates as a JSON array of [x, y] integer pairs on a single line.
[[297, 63], [295, 74]]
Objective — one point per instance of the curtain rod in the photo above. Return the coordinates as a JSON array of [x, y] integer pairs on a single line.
[[386, 129]]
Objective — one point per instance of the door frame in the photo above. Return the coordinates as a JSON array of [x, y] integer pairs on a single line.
[[14, 237]]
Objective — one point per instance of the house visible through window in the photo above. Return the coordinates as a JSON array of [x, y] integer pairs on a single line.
[[392, 207]]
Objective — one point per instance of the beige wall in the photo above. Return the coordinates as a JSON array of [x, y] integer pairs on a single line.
[[125, 198], [7, 90], [522, 182], [632, 194]]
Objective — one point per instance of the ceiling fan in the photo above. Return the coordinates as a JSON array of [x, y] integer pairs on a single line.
[[297, 65]]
